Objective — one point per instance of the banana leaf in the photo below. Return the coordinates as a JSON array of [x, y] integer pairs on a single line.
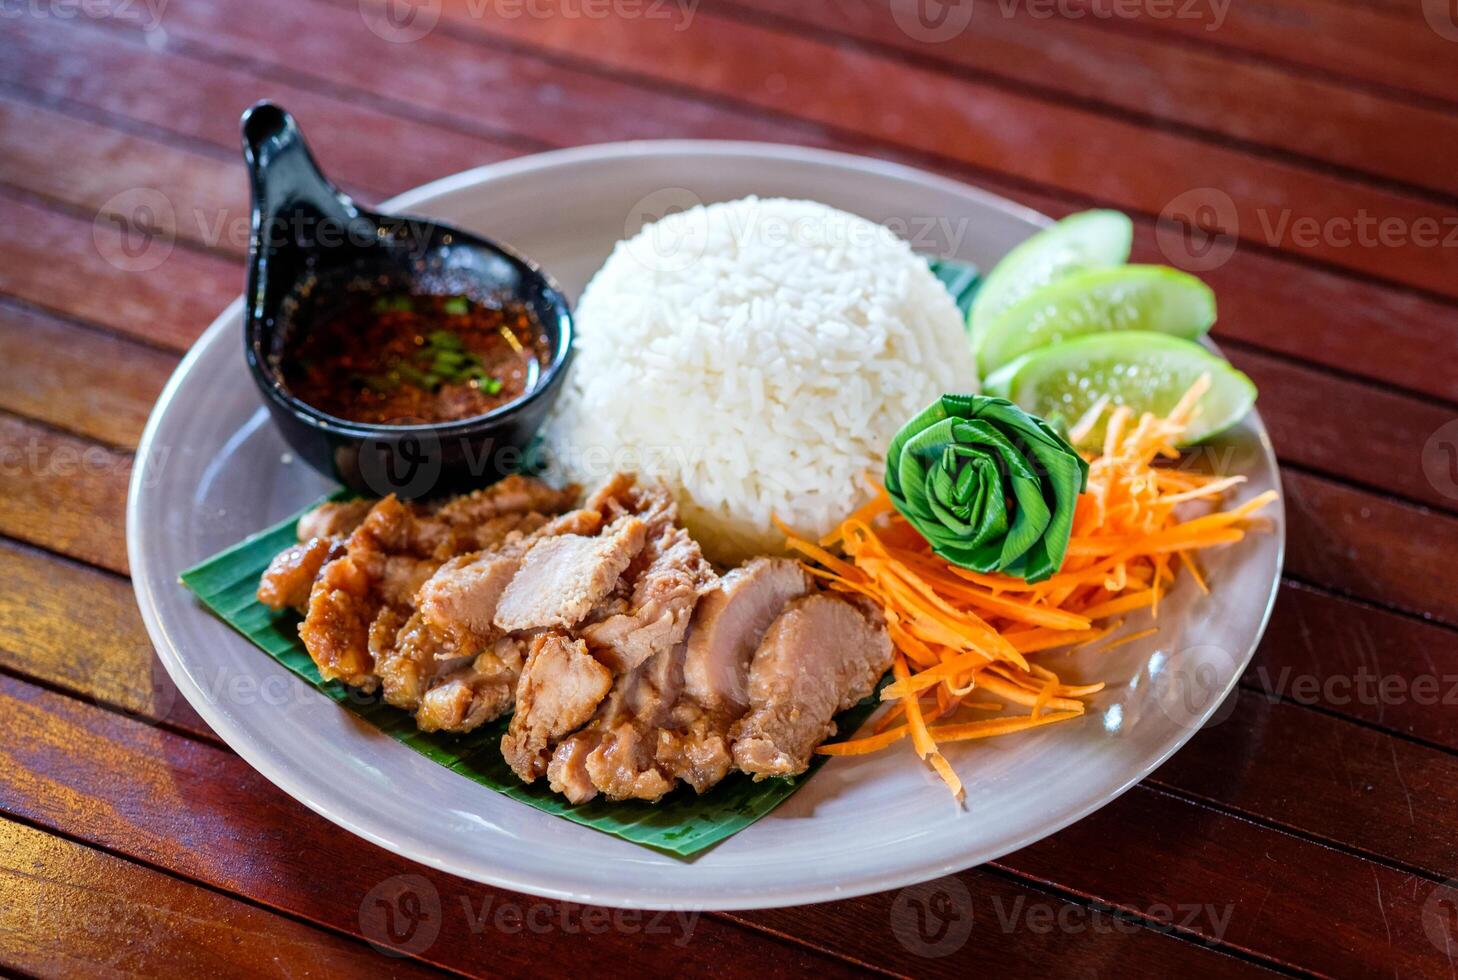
[[681, 824], [961, 279]]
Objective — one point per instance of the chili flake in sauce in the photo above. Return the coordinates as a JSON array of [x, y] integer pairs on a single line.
[[409, 358]]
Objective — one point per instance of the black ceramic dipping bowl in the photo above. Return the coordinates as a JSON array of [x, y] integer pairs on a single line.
[[311, 242]]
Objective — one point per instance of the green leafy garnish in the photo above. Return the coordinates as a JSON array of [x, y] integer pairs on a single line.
[[991, 487], [456, 306]]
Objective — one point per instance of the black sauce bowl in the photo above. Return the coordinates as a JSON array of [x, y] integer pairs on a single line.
[[310, 242]]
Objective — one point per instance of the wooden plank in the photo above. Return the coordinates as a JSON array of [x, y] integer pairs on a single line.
[[1364, 663], [63, 493], [77, 378], [987, 126], [1349, 429], [1405, 53], [70, 910], [1168, 84], [96, 649], [97, 168], [1034, 934], [200, 812], [1255, 888], [1265, 300], [43, 255], [1326, 777], [886, 100], [1361, 545], [84, 65]]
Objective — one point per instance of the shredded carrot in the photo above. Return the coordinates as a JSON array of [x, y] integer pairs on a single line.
[[1130, 638], [955, 631]]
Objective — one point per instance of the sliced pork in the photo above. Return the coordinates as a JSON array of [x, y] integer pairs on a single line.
[[335, 519], [289, 578], [631, 665], [821, 655], [649, 611], [561, 686], [728, 625]]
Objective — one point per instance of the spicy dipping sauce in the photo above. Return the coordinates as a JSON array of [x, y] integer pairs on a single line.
[[411, 358]]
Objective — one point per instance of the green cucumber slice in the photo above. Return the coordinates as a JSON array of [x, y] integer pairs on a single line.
[[1149, 372], [1131, 297]]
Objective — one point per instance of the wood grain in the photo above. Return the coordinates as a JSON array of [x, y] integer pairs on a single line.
[[1170, 85], [70, 910], [989, 127], [1390, 552], [1353, 786], [1265, 300], [76, 628], [78, 378], [1392, 53], [886, 100], [63, 493], [1254, 888], [201, 813], [1394, 672], [43, 253]]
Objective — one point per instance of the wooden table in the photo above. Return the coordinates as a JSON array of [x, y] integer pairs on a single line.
[[1313, 830]]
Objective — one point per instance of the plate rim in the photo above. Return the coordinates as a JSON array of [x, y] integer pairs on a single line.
[[142, 572]]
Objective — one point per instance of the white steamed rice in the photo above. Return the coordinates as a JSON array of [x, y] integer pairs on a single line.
[[757, 356]]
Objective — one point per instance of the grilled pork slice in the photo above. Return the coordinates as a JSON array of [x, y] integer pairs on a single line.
[[334, 519], [468, 694], [668, 719], [289, 578], [448, 662], [820, 656], [562, 578], [616, 753], [385, 560], [648, 612], [728, 625], [561, 686]]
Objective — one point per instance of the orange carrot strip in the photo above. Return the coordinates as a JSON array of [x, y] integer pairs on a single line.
[[861, 746], [989, 727]]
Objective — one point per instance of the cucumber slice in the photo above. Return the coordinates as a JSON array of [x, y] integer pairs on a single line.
[[1087, 240], [1130, 297], [1149, 372]]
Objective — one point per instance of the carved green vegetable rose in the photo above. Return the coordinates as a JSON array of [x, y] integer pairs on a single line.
[[990, 486]]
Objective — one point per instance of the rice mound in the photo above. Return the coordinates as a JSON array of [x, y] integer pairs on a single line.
[[757, 356]]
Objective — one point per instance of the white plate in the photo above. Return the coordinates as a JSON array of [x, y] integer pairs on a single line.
[[212, 469]]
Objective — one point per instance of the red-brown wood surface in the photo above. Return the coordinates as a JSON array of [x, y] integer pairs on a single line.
[[1310, 829]]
